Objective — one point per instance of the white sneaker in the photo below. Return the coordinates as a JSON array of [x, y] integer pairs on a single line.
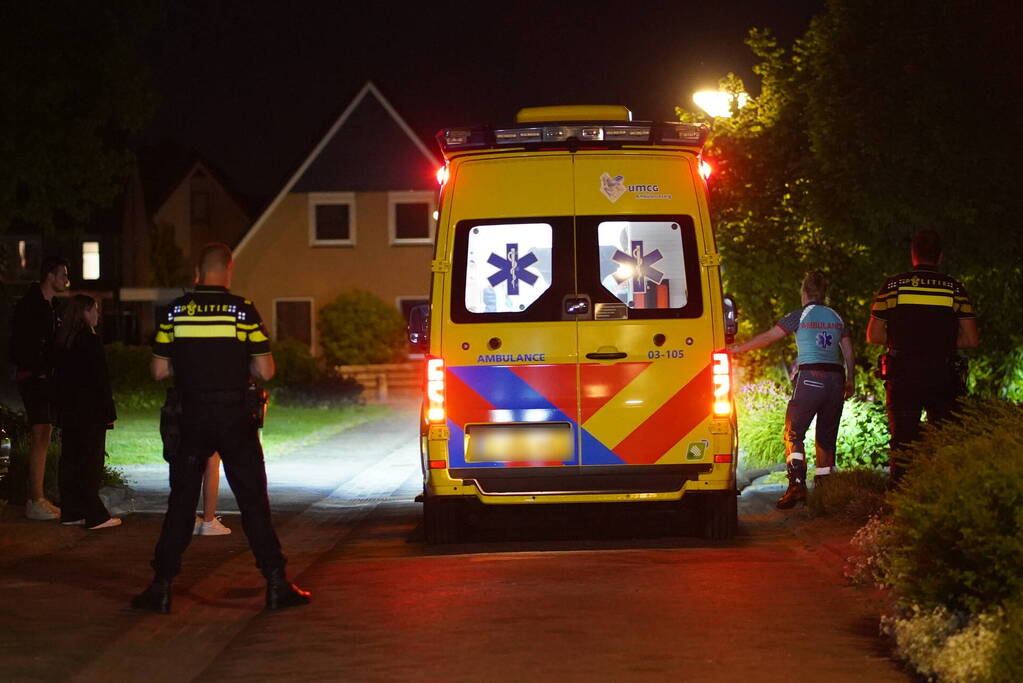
[[112, 522], [41, 509], [211, 528], [198, 525]]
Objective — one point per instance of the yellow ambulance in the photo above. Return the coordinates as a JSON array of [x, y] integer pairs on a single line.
[[574, 340]]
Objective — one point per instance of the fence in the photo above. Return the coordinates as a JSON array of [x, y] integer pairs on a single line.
[[384, 383]]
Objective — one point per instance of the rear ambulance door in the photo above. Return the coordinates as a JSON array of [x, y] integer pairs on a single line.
[[645, 357], [509, 352]]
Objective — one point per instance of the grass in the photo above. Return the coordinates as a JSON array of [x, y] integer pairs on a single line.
[[135, 440]]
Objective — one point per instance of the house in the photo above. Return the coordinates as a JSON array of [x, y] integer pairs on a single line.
[[358, 213], [172, 196]]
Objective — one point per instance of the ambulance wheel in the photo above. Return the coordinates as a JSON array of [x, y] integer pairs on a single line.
[[442, 520], [719, 515]]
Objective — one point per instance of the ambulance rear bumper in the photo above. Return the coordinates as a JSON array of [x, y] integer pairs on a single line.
[[594, 479]]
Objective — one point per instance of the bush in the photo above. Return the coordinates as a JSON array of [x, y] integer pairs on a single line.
[[959, 514], [855, 494], [302, 380], [862, 434], [359, 328], [133, 385], [1007, 664]]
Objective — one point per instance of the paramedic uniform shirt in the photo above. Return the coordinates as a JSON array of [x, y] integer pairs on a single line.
[[818, 333]]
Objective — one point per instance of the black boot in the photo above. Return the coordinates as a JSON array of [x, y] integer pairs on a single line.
[[796, 491], [281, 593], [155, 598]]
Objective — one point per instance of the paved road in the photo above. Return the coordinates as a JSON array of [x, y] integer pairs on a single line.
[[550, 594]]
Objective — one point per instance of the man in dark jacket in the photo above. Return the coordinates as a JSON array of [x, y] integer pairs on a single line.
[[33, 329]]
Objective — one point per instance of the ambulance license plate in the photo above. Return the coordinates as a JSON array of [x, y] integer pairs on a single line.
[[547, 442]]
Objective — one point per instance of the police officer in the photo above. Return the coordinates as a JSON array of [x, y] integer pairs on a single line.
[[826, 363], [211, 342], [922, 316]]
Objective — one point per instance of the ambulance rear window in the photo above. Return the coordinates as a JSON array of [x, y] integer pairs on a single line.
[[641, 263], [508, 266]]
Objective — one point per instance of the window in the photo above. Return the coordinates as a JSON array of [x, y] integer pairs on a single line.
[[332, 219], [648, 263], [90, 260], [293, 319], [410, 216], [508, 267], [641, 263], [407, 303]]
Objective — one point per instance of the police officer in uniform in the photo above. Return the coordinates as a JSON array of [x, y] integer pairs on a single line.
[[922, 316], [212, 342]]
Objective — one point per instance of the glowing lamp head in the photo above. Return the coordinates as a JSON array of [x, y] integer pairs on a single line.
[[435, 390], [705, 169], [442, 175]]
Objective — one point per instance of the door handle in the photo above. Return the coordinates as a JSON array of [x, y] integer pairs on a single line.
[[613, 355]]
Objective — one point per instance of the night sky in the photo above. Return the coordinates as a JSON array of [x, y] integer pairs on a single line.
[[251, 85]]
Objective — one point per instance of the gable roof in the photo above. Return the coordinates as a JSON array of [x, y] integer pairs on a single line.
[[368, 148]]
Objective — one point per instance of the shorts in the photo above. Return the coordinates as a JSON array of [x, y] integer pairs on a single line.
[[36, 395]]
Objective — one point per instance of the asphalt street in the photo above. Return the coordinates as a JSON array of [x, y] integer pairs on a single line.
[[616, 593]]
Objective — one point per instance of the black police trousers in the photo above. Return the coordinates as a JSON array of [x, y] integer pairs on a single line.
[[229, 429], [916, 384]]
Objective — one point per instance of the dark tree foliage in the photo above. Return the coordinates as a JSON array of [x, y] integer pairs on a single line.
[[73, 93], [882, 119]]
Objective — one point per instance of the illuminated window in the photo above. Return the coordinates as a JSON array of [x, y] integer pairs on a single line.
[[508, 267], [642, 264], [332, 219], [90, 260]]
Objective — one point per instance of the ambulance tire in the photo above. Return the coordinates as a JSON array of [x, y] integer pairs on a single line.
[[442, 520], [719, 515]]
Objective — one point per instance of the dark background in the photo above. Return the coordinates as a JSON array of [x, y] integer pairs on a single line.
[[252, 85]]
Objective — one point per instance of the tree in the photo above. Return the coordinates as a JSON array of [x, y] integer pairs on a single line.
[[169, 268], [861, 134], [73, 93]]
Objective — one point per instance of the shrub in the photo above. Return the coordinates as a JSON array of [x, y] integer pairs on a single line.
[[949, 646], [855, 494], [872, 543], [359, 328], [959, 514], [302, 379], [133, 385], [1007, 664], [862, 434]]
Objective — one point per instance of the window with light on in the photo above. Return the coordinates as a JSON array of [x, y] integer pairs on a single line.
[[90, 260]]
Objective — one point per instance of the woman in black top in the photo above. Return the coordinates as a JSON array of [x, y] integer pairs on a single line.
[[85, 411]]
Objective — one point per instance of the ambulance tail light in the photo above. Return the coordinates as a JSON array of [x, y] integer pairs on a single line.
[[435, 390], [722, 372]]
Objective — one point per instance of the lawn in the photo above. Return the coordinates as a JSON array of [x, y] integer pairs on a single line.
[[135, 439]]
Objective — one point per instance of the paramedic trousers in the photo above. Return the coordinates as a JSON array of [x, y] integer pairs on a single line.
[[914, 385], [820, 394], [227, 428]]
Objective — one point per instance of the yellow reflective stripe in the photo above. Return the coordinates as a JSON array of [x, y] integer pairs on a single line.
[[923, 300], [204, 331], [257, 336], [166, 326], [164, 337], [205, 319], [243, 326], [939, 290], [242, 336]]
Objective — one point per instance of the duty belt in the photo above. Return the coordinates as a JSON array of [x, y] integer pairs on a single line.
[[227, 396]]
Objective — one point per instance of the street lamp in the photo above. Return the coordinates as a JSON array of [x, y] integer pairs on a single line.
[[718, 103]]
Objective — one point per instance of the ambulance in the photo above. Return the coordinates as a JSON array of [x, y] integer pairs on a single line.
[[575, 332]]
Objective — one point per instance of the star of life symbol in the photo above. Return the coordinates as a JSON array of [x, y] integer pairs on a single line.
[[612, 187], [825, 340], [512, 268], [637, 267]]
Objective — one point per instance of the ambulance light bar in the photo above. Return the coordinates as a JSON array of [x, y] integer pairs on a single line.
[[673, 134]]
